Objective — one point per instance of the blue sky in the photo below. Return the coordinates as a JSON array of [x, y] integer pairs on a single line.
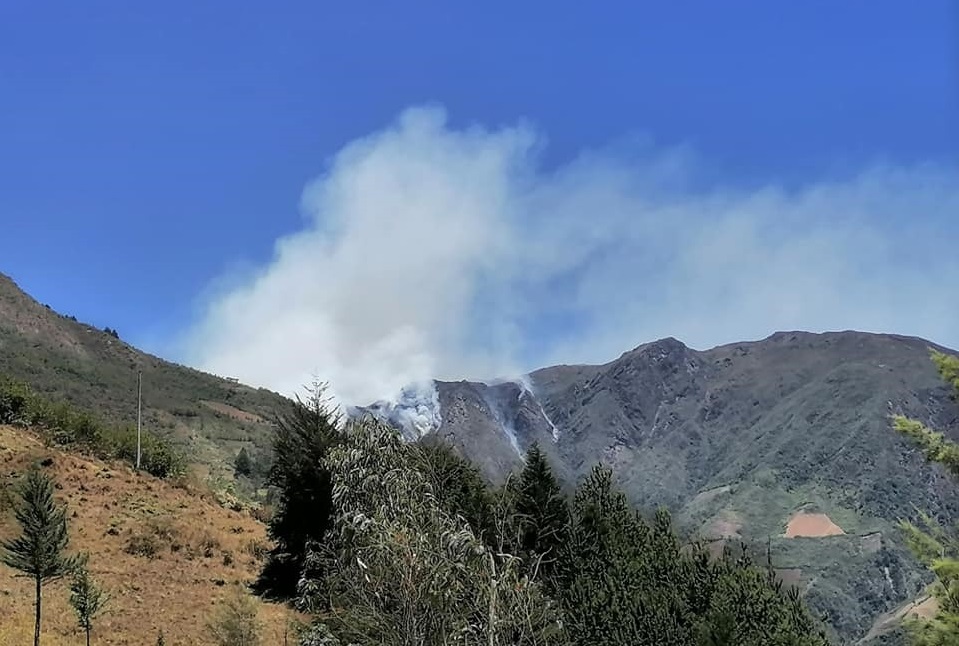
[[151, 155]]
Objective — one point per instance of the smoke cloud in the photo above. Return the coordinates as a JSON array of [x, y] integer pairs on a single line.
[[435, 252]]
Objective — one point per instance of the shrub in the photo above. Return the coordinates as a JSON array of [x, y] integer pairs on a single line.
[[64, 425], [235, 622], [14, 402], [146, 545], [156, 456], [209, 545]]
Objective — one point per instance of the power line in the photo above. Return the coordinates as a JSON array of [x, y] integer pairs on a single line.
[[139, 399]]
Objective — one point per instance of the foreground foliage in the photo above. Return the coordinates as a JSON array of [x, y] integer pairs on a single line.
[[302, 440], [625, 580], [399, 569], [421, 551], [936, 547]]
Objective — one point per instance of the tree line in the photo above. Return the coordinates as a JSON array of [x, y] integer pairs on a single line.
[[387, 542]]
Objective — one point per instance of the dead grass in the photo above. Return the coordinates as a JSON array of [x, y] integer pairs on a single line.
[[197, 550], [233, 412], [728, 524], [808, 525]]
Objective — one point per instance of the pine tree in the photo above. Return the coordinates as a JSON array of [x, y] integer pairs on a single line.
[[86, 597], [243, 465], [39, 550], [625, 581], [302, 439], [937, 548], [540, 514]]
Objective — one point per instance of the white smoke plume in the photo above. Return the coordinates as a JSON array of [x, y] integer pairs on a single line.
[[435, 252]]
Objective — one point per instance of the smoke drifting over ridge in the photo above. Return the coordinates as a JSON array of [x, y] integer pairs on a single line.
[[433, 252]]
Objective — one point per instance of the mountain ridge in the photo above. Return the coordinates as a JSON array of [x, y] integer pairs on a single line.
[[794, 423]]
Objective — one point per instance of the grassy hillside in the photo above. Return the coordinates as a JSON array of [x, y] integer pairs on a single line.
[[166, 552], [208, 417]]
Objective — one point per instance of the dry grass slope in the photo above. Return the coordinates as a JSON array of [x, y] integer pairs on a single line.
[[165, 552]]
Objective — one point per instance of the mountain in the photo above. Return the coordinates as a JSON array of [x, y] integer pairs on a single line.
[[210, 418], [783, 444], [755, 441]]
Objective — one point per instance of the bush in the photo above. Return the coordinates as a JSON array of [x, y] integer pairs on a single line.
[[146, 545], [64, 425], [156, 456], [14, 402], [235, 622]]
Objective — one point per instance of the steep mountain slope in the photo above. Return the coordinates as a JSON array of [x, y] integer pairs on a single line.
[[208, 416], [741, 440]]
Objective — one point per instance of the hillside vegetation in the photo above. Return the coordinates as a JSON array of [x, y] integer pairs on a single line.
[[208, 418]]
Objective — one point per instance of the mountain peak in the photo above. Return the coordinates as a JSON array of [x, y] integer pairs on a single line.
[[662, 348]]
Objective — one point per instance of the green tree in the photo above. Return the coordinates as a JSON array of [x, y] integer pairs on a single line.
[[39, 550], [402, 570], [235, 621], [626, 580], [302, 439], [934, 546], [456, 483], [540, 514], [243, 465], [86, 597]]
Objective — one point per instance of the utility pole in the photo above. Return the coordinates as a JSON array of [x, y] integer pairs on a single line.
[[139, 389]]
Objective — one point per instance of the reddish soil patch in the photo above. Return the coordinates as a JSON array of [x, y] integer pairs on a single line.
[[233, 411], [809, 525]]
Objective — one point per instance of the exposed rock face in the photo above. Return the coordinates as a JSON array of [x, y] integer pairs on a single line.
[[672, 421]]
